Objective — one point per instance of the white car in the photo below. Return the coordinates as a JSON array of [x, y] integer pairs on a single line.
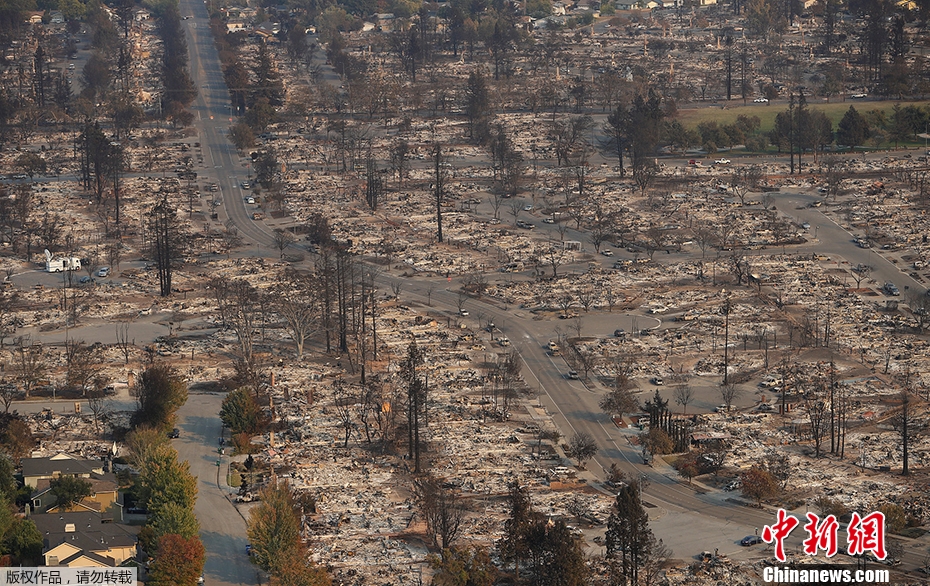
[[859, 96], [250, 200], [103, 272], [528, 208], [722, 162], [761, 100], [607, 253]]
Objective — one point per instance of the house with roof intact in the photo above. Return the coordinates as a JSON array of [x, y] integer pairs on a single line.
[[39, 472], [84, 539]]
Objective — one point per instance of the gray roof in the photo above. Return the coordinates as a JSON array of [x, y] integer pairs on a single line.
[[66, 466], [90, 532]]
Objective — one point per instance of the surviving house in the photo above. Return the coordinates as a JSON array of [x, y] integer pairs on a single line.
[[84, 539], [39, 472]]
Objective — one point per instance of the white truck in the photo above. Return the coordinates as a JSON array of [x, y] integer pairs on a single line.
[[57, 265]]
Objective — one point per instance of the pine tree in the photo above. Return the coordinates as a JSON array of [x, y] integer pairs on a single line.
[[629, 539]]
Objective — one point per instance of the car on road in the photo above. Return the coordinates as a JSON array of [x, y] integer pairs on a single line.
[[525, 225], [657, 381], [246, 185], [84, 280], [463, 313], [548, 221], [750, 540], [859, 96], [573, 374], [248, 549], [103, 272], [174, 433], [761, 100], [722, 162], [619, 333], [250, 200], [607, 252]]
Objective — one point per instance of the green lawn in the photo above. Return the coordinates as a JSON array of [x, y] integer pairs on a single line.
[[690, 118]]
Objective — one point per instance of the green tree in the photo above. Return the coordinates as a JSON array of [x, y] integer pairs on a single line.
[[178, 562], [160, 392], [241, 413], [164, 480], [20, 539], [513, 545], [556, 555], [463, 567], [853, 129], [173, 518], [266, 165], [242, 136], [628, 539], [478, 107], [8, 485], [143, 443], [70, 490], [260, 114], [274, 528]]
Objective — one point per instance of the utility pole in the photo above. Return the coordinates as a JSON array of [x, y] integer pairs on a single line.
[[726, 337], [791, 128]]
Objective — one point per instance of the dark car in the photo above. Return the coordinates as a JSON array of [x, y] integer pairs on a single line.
[[750, 540], [248, 549], [174, 433]]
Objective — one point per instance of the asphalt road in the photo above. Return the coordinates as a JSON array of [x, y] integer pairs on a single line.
[[222, 529]]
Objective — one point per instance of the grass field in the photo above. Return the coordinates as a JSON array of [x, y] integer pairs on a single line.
[[690, 118]]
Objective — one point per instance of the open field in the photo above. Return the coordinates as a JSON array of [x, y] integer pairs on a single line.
[[690, 118]]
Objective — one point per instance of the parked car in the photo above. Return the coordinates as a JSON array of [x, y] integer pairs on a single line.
[[573, 374], [607, 252], [619, 333], [750, 540], [174, 433], [859, 96], [892, 289], [103, 272], [761, 100], [722, 162], [657, 381]]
